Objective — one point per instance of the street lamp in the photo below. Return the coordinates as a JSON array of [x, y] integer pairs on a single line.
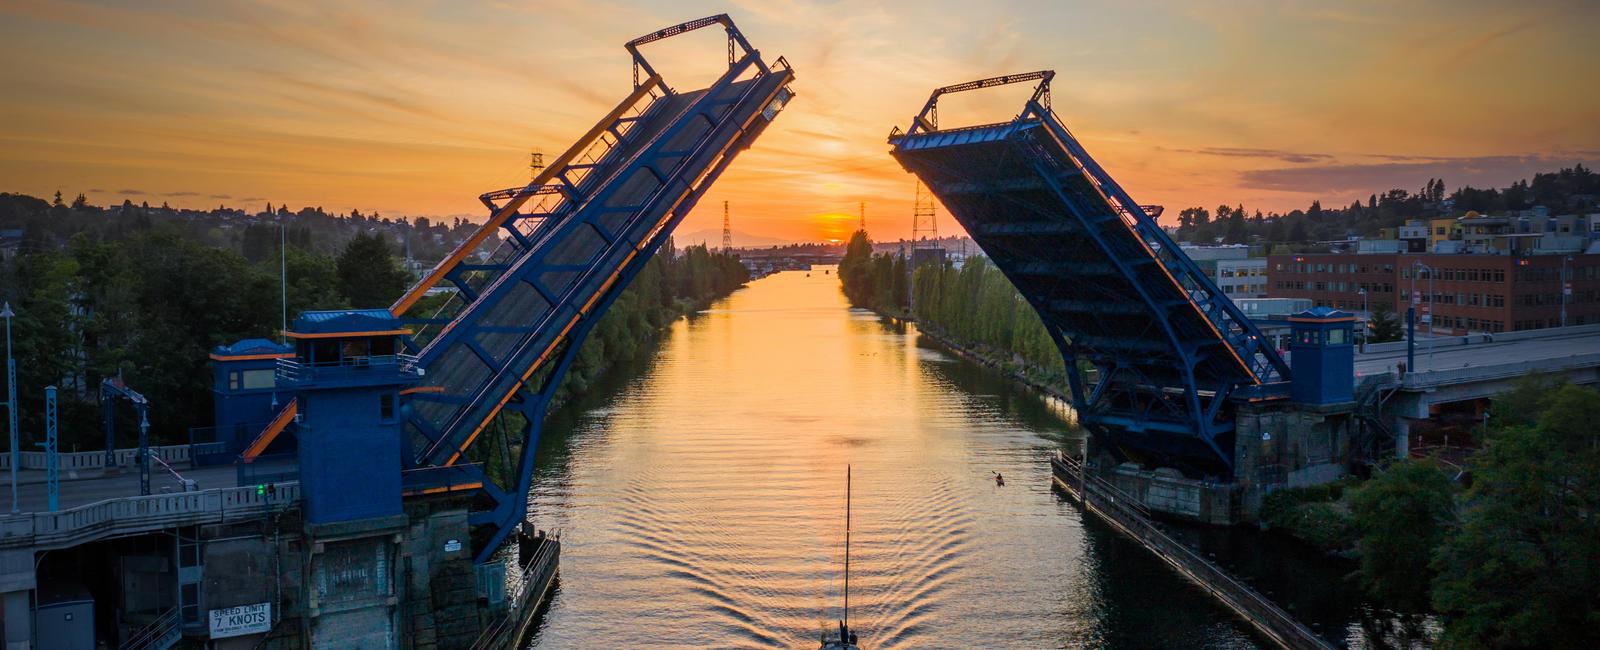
[[1366, 318], [1566, 288], [1416, 266], [11, 402]]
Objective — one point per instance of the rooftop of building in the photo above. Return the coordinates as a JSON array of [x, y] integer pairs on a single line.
[[345, 321]]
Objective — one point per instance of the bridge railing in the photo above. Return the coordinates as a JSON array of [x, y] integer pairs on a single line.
[[1429, 377], [139, 514], [1127, 514], [81, 460]]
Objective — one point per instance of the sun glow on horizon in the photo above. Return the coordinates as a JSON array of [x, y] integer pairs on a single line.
[[244, 103]]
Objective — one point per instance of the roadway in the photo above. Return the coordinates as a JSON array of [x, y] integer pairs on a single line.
[[91, 486], [1478, 350]]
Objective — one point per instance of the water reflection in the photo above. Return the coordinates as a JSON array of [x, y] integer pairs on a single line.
[[701, 500]]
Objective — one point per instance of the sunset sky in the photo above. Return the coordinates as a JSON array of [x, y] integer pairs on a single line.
[[415, 108]]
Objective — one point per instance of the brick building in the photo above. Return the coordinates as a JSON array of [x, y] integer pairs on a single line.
[[1470, 293]]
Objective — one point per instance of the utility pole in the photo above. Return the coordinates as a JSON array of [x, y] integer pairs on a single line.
[[11, 402], [862, 210], [727, 230], [283, 281], [1566, 288]]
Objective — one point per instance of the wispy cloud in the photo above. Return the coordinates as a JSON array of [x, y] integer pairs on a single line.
[[1243, 152], [416, 106], [1479, 171]]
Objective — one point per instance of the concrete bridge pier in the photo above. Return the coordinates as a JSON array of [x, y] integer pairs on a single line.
[[1402, 436], [17, 582]]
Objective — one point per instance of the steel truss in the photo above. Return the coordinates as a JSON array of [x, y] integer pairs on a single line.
[[1168, 350], [570, 242]]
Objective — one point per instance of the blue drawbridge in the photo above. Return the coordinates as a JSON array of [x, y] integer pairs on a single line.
[[568, 243], [1156, 354]]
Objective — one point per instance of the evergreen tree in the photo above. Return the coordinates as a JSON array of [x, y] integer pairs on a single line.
[[854, 270], [1385, 325], [368, 274]]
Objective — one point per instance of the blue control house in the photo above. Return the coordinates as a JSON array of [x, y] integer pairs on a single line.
[[245, 394], [1323, 356], [347, 374]]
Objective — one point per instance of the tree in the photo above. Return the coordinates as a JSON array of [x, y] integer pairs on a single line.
[[1385, 325], [368, 275], [1297, 231], [854, 270], [1524, 567], [1235, 232], [1403, 514]]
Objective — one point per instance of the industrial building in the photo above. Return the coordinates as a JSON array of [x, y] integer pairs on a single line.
[[1455, 294]]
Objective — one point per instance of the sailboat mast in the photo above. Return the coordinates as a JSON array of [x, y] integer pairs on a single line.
[[846, 547]]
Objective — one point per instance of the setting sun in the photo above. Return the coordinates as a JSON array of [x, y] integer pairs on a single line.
[[833, 226]]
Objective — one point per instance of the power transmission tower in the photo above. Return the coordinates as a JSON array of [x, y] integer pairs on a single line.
[[925, 246], [862, 209], [535, 164], [727, 230], [924, 225]]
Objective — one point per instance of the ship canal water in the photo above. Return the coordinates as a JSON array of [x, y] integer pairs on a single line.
[[698, 500]]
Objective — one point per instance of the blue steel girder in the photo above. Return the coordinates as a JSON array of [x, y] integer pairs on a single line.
[[563, 268], [1112, 288], [522, 316]]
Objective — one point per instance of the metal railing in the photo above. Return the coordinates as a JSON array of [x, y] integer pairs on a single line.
[[94, 459], [533, 580], [129, 515], [297, 371], [161, 634], [1128, 515]]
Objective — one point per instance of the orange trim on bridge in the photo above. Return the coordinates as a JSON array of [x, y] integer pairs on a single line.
[[443, 489], [269, 434], [471, 244], [250, 357], [335, 335]]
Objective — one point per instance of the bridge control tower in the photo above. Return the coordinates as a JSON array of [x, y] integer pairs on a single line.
[[1323, 355], [347, 375]]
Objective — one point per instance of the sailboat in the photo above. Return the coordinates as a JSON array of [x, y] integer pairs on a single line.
[[843, 638]]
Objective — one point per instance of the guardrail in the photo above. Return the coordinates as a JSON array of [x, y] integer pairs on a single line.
[[79, 460], [129, 515], [296, 371], [1446, 342], [1126, 514], [532, 586], [1448, 376], [159, 635]]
